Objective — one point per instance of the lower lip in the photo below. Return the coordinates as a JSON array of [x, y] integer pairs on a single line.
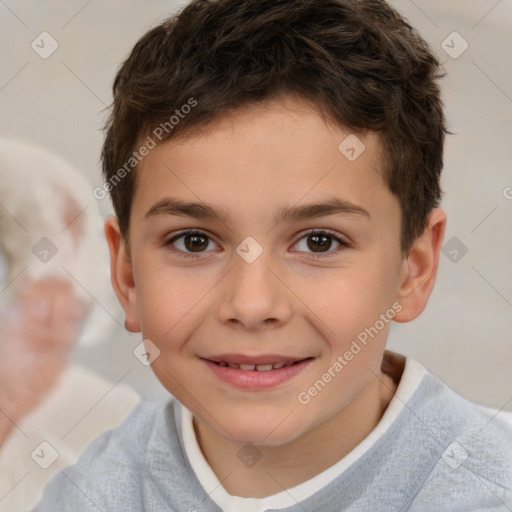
[[253, 379]]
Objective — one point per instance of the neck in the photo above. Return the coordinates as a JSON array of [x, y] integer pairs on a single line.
[[285, 466]]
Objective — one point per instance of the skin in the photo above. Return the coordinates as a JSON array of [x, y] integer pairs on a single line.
[[294, 299], [37, 333]]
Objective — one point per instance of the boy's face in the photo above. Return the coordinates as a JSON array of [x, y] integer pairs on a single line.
[[213, 296]]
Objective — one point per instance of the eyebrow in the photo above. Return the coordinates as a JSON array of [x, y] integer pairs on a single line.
[[202, 210]]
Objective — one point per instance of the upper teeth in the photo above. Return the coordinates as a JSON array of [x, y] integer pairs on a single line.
[[257, 367]]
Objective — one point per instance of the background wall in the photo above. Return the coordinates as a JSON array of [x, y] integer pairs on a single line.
[[464, 335]]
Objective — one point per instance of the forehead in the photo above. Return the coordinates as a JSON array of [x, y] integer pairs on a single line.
[[263, 157]]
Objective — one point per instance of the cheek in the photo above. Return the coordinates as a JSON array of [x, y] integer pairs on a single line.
[[347, 300], [169, 302]]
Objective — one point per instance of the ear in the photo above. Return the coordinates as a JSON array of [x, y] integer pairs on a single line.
[[121, 274], [419, 269]]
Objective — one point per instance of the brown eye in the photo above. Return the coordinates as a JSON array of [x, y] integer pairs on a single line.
[[195, 242], [320, 242], [189, 243]]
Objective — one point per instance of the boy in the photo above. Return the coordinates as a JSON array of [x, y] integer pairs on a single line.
[[274, 167]]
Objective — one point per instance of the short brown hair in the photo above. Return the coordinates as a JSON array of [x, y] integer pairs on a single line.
[[358, 61]]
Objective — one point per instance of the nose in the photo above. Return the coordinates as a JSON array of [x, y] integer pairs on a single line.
[[255, 295]]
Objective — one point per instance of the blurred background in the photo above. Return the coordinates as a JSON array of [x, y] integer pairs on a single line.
[[58, 60]]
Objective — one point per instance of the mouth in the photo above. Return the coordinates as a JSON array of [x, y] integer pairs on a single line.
[[256, 373], [261, 367]]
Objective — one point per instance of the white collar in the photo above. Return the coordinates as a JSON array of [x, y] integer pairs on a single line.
[[409, 382]]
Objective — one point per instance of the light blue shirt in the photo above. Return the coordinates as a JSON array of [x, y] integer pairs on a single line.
[[432, 451]]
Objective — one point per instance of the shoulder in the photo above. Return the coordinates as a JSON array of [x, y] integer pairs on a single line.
[[108, 472], [125, 442], [471, 449]]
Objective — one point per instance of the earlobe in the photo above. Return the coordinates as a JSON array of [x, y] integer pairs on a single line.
[[121, 273], [420, 268]]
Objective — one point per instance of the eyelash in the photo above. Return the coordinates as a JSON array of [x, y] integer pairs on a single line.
[[343, 243]]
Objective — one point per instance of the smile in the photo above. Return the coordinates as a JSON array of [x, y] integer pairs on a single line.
[[255, 367], [256, 373]]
